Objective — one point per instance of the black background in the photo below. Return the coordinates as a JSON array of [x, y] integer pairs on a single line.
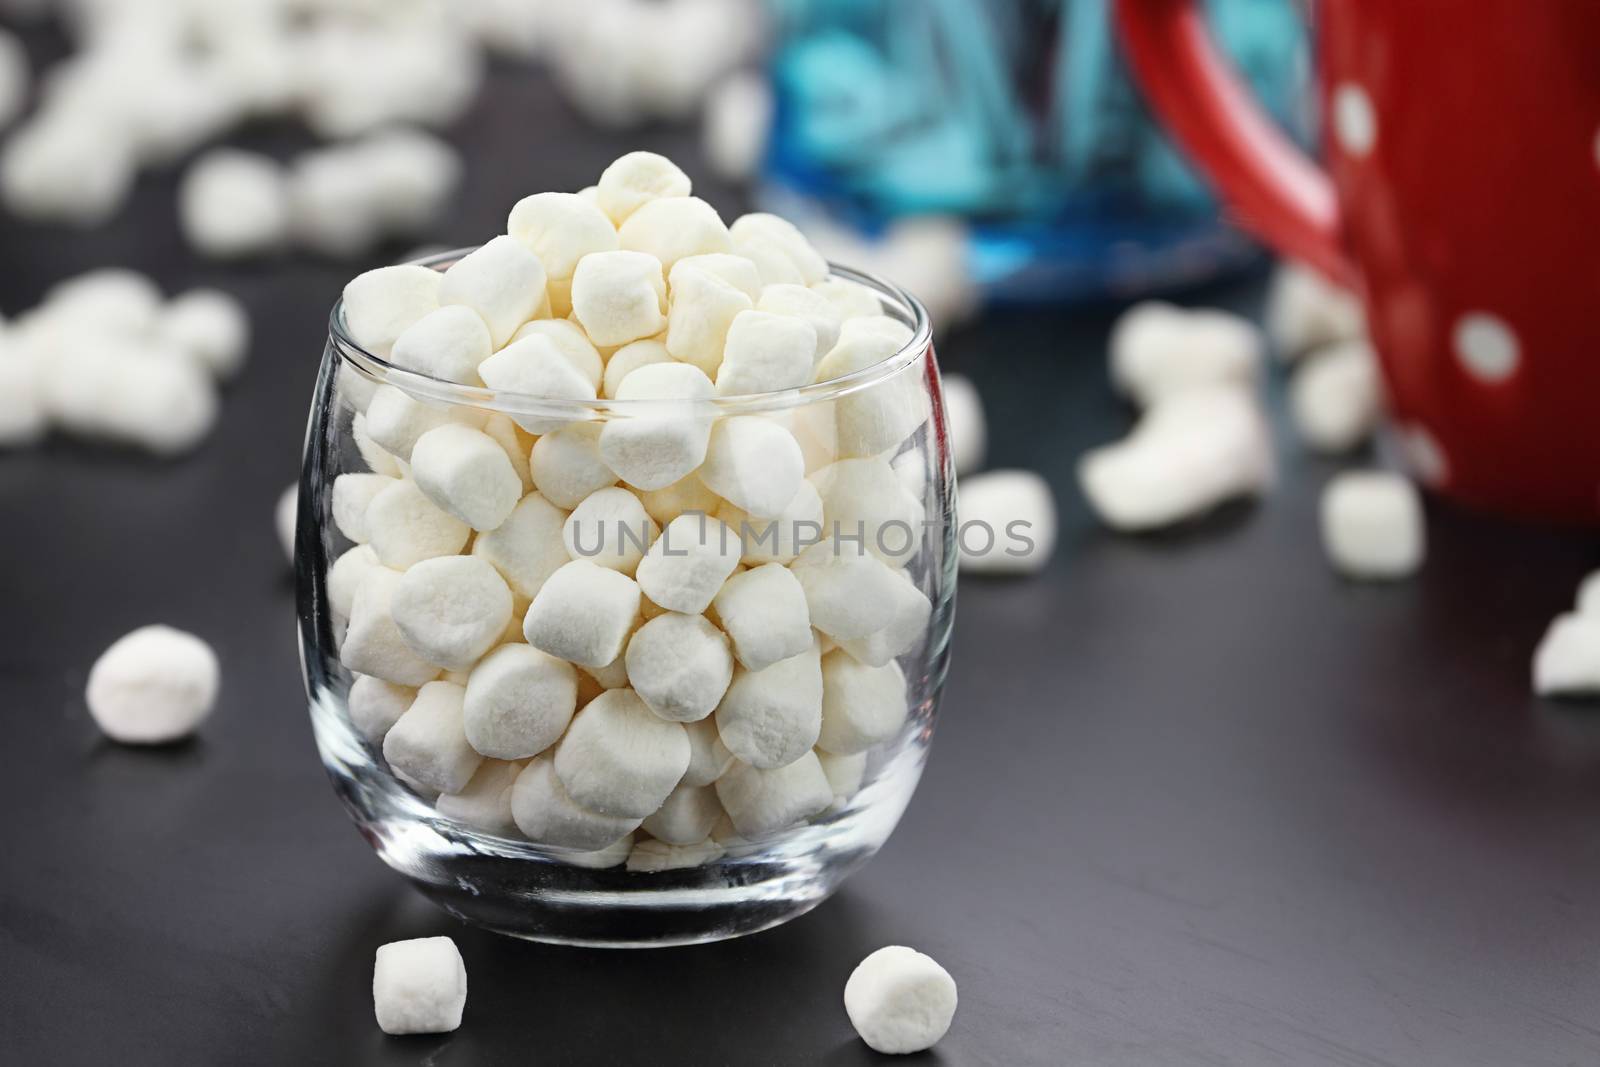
[[1192, 799]]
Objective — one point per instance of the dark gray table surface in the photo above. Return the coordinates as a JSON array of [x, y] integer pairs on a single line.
[[1192, 799]]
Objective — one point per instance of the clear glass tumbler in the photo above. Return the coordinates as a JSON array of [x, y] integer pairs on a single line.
[[876, 454]]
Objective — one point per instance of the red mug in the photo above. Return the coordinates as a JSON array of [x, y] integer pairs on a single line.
[[1461, 198]]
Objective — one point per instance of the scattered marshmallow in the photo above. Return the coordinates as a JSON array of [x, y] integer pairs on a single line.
[[583, 614], [686, 566], [619, 296], [376, 705], [210, 326], [680, 666], [861, 705], [467, 474], [566, 465], [518, 702], [451, 610], [762, 802], [233, 204], [1159, 350], [56, 168], [153, 686], [1007, 523], [1567, 661], [738, 120], [900, 1000], [547, 814], [503, 281], [1305, 312], [485, 803], [1335, 397], [670, 439], [428, 744], [771, 717], [1372, 525], [618, 758], [407, 528], [419, 986], [1589, 595], [763, 611], [447, 343], [526, 548], [754, 464]]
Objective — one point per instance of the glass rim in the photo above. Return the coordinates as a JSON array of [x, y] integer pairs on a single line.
[[427, 387]]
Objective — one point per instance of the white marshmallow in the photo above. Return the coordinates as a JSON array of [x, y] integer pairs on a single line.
[[809, 305], [850, 300], [233, 204], [680, 666], [619, 296], [764, 238], [907, 625], [763, 610], [849, 594], [345, 577], [702, 309], [709, 758], [419, 986], [407, 175], [754, 464], [779, 539], [381, 304], [451, 610], [613, 675], [876, 418], [566, 465], [629, 358], [395, 419], [636, 179], [738, 119], [1335, 397], [673, 227], [527, 548], [130, 393], [685, 817], [376, 705], [1567, 661], [503, 281], [519, 702], [1187, 455], [467, 474], [153, 686], [210, 326], [618, 758], [548, 815], [333, 207], [668, 440], [762, 802], [62, 169], [1159, 350], [1008, 523], [737, 271], [844, 774], [406, 527], [373, 643], [535, 367], [686, 494], [900, 1000], [1588, 600], [583, 613], [570, 341], [285, 516], [485, 803], [610, 528], [766, 353], [561, 228], [613, 855], [688, 563], [428, 744], [861, 705], [377, 459], [867, 506], [114, 299], [963, 410], [652, 856], [1372, 525], [1304, 311], [352, 495], [515, 443], [771, 717], [447, 343]]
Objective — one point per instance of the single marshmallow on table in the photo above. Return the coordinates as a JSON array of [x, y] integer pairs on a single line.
[[636, 179], [861, 705], [900, 1000], [561, 228], [548, 815], [1335, 397], [233, 204], [446, 343], [373, 643], [1186, 455], [908, 621], [467, 474], [485, 802], [629, 358], [771, 717], [503, 281], [210, 326], [583, 614], [686, 566], [963, 410], [1008, 522], [376, 705], [669, 438], [610, 528], [738, 118], [153, 686], [518, 702], [571, 342], [850, 594], [284, 517], [1159, 350], [650, 856], [763, 611], [702, 309], [1305, 312], [674, 227], [864, 498], [768, 236], [1567, 661], [754, 464], [679, 665], [618, 296], [1372, 525], [766, 353], [527, 548], [536, 367], [762, 802], [428, 743], [781, 538], [406, 527], [451, 610], [619, 758], [796, 301], [685, 817], [382, 303], [352, 495], [419, 986]]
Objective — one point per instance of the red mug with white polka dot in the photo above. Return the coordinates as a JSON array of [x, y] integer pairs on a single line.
[[1461, 197]]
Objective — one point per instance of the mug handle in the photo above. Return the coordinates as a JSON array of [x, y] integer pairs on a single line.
[[1274, 190]]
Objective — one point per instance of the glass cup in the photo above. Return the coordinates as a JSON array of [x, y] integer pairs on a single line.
[[875, 447]]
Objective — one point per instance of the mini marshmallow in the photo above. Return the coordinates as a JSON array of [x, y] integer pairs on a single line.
[[333, 206], [284, 518], [535, 367], [686, 566], [613, 675], [210, 326], [1159, 350], [685, 817], [1336, 398], [130, 393], [548, 815], [737, 271], [447, 343], [613, 855], [570, 341], [406, 527], [766, 353], [114, 299], [849, 594], [861, 705], [352, 495], [673, 227], [618, 758], [395, 419], [636, 179], [233, 204], [867, 507], [680, 666], [527, 548], [709, 758], [515, 443], [518, 702], [345, 577], [583, 613], [762, 802], [153, 686], [419, 986], [373, 644], [899, 1000], [561, 228], [684, 495], [850, 300], [1372, 525], [1187, 455], [1304, 312], [877, 418], [738, 119], [566, 465], [58, 169], [629, 358], [407, 177], [451, 610], [771, 717], [467, 474], [619, 296], [844, 774], [485, 803], [376, 705], [503, 281], [763, 610], [428, 744], [754, 464], [1567, 661], [808, 305], [779, 539], [669, 439], [702, 309], [768, 238], [907, 623], [377, 459], [610, 528], [1588, 599], [1007, 523], [963, 410], [381, 304], [650, 856]]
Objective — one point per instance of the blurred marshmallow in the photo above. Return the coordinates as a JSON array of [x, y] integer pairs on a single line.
[[1372, 525]]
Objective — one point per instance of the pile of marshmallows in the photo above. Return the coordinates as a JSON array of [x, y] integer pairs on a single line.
[[551, 652]]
